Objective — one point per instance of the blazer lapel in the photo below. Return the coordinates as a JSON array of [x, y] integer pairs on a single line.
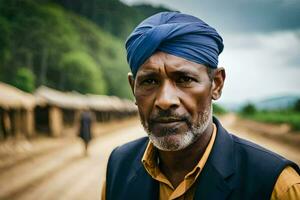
[[142, 186], [216, 180], [211, 185]]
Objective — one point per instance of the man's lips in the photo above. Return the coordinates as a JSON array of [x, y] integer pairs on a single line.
[[167, 120]]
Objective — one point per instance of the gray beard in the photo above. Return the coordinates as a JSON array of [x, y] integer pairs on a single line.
[[178, 141]]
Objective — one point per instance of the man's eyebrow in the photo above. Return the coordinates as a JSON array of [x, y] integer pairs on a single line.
[[184, 72], [146, 73]]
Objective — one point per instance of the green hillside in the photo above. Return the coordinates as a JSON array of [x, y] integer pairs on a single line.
[[112, 15], [55, 44]]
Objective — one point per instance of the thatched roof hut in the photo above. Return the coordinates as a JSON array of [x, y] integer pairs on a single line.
[[74, 100], [16, 111], [62, 108], [12, 97], [68, 100]]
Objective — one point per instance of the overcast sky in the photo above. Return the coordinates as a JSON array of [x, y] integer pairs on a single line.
[[262, 43]]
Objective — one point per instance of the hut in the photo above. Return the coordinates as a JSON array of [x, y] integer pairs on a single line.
[[107, 108], [16, 112], [57, 111]]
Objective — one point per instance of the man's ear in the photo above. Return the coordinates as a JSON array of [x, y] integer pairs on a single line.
[[131, 81], [218, 82]]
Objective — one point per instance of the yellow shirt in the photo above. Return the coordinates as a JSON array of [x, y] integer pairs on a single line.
[[287, 186]]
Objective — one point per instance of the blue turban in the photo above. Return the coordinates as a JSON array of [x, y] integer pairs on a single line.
[[174, 33]]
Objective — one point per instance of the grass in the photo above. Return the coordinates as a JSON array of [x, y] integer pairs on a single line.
[[276, 117]]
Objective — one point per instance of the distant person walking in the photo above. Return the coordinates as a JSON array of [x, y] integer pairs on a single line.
[[85, 129]]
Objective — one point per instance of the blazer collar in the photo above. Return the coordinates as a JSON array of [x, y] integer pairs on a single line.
[[140, 184], [216, 180], [222, 155]]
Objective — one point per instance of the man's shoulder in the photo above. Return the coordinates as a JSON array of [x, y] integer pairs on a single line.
[[132, 145], [130, 150], [244, 152], [257, 155], [125, 158], [254, 148]]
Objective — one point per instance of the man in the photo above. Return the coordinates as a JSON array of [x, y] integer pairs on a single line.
[[188, 154], [85, 129]]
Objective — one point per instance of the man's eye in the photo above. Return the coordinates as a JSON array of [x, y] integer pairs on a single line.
[[185, 79], [148, 82]]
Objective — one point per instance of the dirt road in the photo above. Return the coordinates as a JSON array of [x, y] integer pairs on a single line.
[[56, 168], [289, 151]]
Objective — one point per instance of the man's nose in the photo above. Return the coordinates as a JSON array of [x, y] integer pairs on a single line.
[[167, 97]]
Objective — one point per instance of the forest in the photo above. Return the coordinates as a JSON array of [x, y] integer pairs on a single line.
[[68, 45]]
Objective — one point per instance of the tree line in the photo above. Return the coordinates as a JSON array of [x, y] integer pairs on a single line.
[[289, 115], [67, 45]]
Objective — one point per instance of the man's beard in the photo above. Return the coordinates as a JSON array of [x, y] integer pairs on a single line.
[[173, 140]]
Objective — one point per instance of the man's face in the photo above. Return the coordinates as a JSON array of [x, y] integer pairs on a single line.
[[173, 96]]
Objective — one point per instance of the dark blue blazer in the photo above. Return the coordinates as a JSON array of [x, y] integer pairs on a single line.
[[236, 169]]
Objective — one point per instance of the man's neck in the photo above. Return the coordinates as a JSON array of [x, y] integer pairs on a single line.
[[176, 164]]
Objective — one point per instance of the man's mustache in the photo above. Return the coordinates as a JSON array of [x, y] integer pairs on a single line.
[[167, 115]]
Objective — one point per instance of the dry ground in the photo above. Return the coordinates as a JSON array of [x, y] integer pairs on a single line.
[[48, 168]]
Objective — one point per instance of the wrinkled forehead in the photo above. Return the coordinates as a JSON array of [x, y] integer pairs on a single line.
[[161, 62]]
